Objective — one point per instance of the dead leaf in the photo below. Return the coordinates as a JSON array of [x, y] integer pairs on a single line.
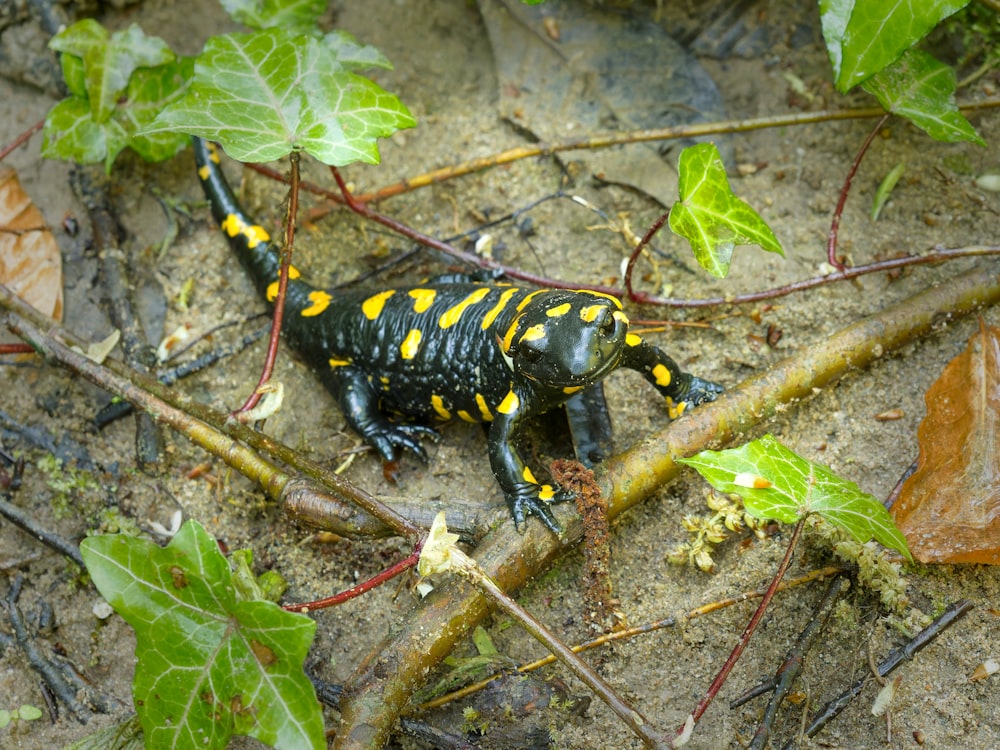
[[30, 264], [949, 509]]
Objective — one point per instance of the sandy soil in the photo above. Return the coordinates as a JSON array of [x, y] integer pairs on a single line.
[[444, 71]]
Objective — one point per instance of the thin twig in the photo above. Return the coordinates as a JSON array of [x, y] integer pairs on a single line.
[[788, 672], [470, 569], [51, 674], [925, 637], [25, 522], [619, 139], [633, 632], [91, 187]]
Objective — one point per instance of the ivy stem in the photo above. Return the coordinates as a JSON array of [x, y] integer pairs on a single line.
[[831, 240], [748, 631], [279, 302], [646, 239], [365, 586]]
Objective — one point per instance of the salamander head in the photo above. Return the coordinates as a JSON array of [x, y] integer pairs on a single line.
[[566, 340]]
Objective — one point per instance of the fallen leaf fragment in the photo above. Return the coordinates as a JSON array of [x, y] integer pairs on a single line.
[[949, 509], [30, 264], [984, 670]]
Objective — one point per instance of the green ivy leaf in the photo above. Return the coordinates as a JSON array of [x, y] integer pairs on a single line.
[[352, 54], [710, 216], [922, 89], [149, 91], [109, 60], [264, 94], [70, 133], [797, 488], [74, 74], [864, 36], [299, 16], [210, 664]]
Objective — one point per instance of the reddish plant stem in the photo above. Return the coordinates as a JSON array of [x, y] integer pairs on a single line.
[[376, 580], [279, 302], [748, 631], [831, 241], [936, 255], [16, 349], [646, 239], [21, 139]]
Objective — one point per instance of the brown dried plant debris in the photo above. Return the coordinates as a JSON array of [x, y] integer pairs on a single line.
[[949, 509]]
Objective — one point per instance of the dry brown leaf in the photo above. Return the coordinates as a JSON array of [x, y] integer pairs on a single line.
[[949, 509], [30, 264]]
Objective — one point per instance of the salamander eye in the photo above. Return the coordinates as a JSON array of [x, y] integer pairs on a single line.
[[528, 352], [607, 325]]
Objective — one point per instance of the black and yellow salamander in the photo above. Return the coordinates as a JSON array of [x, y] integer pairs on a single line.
[[482, 352]]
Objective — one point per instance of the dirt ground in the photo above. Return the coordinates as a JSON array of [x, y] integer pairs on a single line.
[[445, 72]]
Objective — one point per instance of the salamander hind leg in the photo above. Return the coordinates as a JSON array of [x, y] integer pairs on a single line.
[[682, 390], [359, 403]]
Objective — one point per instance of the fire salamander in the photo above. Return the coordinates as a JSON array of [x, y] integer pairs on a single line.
[[482, 352]]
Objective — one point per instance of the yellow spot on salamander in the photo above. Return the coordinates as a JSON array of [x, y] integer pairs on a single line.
[[614, 300], [590, 313], [438, 404], [528, 476], [498, 307], [337, 362], [484, 408], [508, 338], [256, 234], [662, 375], [674, 409], [293, 272], [620, 316], [320, 301], [234, 225], [465, 416], [558, 310], [204, 172], [422, 299], [372, 306], [546, 493], [632, 339], [213, 153], [451, 316], [272, 291], [411, 344], [524, 303], [534, 333], [510, 404], [572, 388]]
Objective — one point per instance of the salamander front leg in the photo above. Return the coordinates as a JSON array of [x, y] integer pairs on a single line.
[[682, 390], [524, 495]]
